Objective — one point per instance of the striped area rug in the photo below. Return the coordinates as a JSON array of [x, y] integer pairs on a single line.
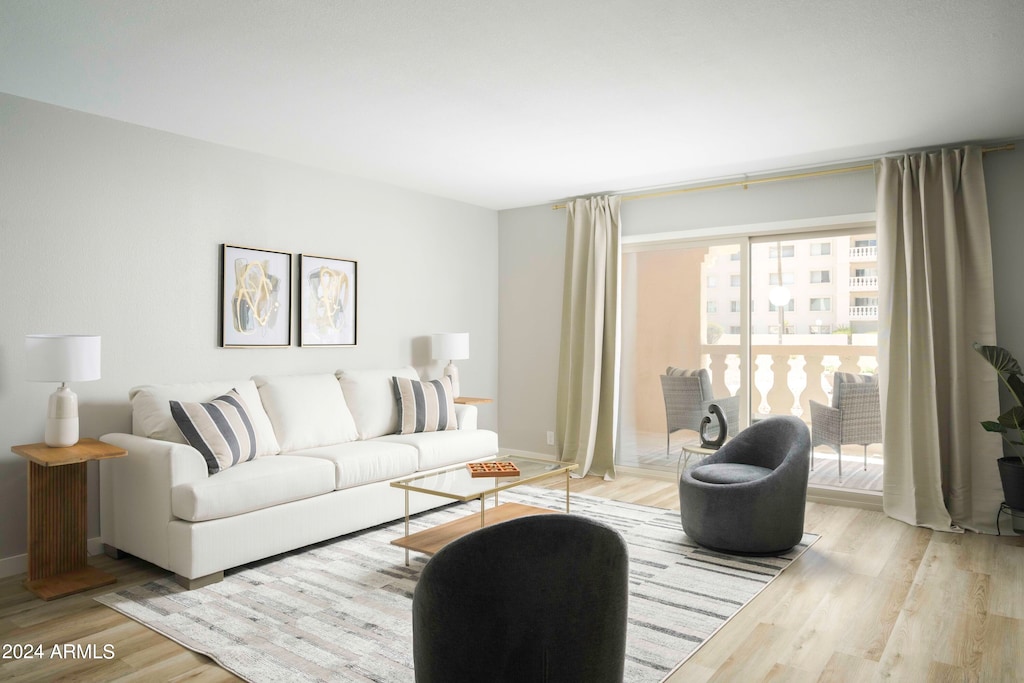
[[341, 610]]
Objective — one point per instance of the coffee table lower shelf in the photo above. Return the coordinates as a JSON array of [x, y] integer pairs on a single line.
[[429, 541]]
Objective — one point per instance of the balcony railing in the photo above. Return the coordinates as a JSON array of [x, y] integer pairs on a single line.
[[863, 312], [864, 253], [864, 283], [786, 378]]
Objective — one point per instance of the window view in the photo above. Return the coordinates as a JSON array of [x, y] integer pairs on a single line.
[[813, 326], [677, 312]]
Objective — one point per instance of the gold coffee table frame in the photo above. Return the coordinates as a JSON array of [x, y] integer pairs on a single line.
[[457, 484]]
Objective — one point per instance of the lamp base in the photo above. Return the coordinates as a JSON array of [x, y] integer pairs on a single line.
[[62, 419], [452, 373]]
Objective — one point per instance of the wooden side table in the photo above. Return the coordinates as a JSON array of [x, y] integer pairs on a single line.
[[58, 517], [472, 401]]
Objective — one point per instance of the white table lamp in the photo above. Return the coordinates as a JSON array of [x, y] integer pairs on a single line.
[[62, 358], [451, 346]]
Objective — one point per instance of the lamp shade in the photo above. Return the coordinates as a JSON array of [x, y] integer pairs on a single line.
[[450, 346], [62, 357]]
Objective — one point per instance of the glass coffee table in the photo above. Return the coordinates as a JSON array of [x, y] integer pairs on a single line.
[[456, 483]]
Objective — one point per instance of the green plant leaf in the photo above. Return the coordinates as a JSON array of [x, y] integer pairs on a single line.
[[999, 358], [1016, 385], [993, 426], [1013, 418]]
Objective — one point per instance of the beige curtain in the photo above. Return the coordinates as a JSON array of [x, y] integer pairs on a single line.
[[935, 260], [585, 418]]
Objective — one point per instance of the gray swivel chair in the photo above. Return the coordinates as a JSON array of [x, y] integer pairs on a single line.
[[749, 496], [855, 416], [539, 598], [687, 396]]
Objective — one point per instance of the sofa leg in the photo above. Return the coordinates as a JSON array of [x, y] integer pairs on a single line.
[[198, 582], [113, 553]]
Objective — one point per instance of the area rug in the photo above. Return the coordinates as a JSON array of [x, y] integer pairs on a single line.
[[341, 610]]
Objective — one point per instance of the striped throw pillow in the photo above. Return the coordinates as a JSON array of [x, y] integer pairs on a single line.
[[424, 406], [220, 429]]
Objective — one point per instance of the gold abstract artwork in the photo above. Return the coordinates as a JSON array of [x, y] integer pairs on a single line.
[[255, 300]]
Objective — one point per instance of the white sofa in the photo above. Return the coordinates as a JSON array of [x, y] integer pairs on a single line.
[[328, 453]]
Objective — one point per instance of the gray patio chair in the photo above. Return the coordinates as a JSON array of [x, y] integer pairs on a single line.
[[539, 598], [687, 397], [855, 416]]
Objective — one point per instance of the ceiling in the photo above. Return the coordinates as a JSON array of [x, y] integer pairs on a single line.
[[508, 104]]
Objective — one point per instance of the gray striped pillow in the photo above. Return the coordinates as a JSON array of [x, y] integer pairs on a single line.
[[220, 429], [424, 406]]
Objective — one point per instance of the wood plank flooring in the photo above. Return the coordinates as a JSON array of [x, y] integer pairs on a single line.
[[873, 600]]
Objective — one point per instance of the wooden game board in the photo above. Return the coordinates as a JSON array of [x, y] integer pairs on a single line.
[[492, 469]]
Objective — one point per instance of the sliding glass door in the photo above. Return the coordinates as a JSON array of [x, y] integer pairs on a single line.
[[681, 308], [786, 311]]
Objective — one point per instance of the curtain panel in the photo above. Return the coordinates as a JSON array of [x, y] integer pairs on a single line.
[[588, 358], [935, 258]]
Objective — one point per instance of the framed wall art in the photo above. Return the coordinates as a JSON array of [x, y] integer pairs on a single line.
[[255, 297], [327, 301]]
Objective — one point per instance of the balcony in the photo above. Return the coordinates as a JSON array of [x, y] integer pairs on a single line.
[[864, 312], [868, 283], [864, 253]]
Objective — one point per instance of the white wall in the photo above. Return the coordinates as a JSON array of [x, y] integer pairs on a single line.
[[113, 229], [532, 252]]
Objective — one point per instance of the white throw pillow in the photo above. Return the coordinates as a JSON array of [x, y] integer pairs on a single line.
[[307, 411], [371, 399]]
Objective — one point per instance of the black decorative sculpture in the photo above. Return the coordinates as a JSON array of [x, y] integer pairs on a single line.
[[723, 428]]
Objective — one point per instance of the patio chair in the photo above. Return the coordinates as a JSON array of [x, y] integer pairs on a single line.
[[687, 397], [538, 598], [855, 416]]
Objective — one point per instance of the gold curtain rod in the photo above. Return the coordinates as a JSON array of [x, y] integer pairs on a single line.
[[771, 179]]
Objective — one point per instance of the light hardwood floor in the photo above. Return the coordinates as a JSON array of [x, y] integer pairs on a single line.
[[872, 600]]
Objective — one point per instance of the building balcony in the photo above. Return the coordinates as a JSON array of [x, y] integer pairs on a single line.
[[868, 283], [859, 254], [863, 313]]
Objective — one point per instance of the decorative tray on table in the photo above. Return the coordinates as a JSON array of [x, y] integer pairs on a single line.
[[492, 469]]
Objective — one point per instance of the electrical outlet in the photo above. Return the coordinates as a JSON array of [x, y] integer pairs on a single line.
[[551, 438]]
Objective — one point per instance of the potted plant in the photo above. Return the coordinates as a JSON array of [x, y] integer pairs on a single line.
[[1010, 425]]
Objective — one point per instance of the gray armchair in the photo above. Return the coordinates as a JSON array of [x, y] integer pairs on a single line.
[[539, 598], [687, 396], [749, 496], [855, 416]]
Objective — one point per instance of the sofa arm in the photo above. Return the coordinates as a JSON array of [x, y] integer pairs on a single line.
[[466, 416], [135, 493]]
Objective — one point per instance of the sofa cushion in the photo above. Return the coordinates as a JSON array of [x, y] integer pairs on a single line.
[[437, 449], [307, 411], [424, 406], [221, 430], [363, 462], [371, 399], [729, 473], [151, 410], [262, 483]]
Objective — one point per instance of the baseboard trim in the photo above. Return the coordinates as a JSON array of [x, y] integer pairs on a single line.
[[865, 500], [527, 454], [18, 564], [13, 565]]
